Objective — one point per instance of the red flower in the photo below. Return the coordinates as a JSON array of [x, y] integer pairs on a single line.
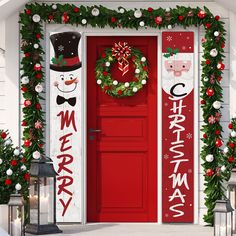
[[230, 126], [113, 19], [23, 123], [158, 20], [24, 89], [104, 55], [38, 36], [23, 160], [105, 73], [120, 92], [231, 159], [14, 162], [209, 172], [27, 143], [76, 9], [231, 145], [217, 132], [27, 54], [65, 18], [208, 25], [106, 87], [145, 68], [27, 176], [208, 62], [205, 136], [27, 103], [203, 102], [38, 106], [180, 18], [150, 9], [50, 17], [8, 182], [211, 119], [217, 17], [27, 11], [38, 76], [3, 135]]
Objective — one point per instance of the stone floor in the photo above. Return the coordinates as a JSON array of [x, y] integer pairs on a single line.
[[135, 229]]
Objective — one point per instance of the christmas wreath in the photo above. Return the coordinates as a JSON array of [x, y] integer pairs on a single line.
[[120, 54]]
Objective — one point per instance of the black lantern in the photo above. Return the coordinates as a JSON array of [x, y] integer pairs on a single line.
[[42, 212], [223, 216], [232, 195], [16, 215]]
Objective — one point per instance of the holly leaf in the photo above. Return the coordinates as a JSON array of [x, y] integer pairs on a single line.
[[169, 50], [60, 58], [63, 63], [176, 51], [54, 60], [167, 55]]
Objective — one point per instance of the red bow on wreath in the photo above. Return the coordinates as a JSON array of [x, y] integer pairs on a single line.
[[121, 51]]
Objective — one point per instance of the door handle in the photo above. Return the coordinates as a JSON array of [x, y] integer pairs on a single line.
[[91, 130]]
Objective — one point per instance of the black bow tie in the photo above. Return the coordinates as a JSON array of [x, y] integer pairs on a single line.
[[61, 100]]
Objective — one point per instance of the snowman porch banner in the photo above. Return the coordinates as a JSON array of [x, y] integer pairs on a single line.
[[177, 126], [65, 123]]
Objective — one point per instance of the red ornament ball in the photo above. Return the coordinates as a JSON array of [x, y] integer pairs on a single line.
[[65, 18], [28, 11], [106, 87], [208, 62], [27, 103], [222, 45], [150, 9], [23, 123], [210, 92], [38, 76], [8, 182], [220, 66], [217, 17], [113, 19], [219, 78], [37, 67], [230, 126], [27, 54], [231, 159], [135, 79], [105, 73], [24, 89], [203, 102], [38, 36], [209, 172], [76, 9], [120, 92], [145, 68], [27, 176], [217, 132], [218, 143], [14, 162], [23, 160], [38, 106], [201, 14], [158, 20], [205, 136], [40, 145], [27, 142], [3, 135], [208, 25], [104, 55], [180, 18], [50, 17], [231, 145]]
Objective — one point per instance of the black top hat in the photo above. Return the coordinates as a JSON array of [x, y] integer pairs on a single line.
[[66, 51]]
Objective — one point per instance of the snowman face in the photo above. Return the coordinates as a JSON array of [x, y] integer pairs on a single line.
[[177, 75], [66, 82]]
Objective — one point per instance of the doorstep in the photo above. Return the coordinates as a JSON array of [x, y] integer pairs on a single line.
[[135, 229]]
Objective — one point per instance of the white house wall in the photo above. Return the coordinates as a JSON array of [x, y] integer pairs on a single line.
[[10, 108]]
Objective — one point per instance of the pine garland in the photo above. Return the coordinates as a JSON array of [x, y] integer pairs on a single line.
[[31, 21]]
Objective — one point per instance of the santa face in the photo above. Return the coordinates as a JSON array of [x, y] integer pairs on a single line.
[[177, 75], [66, 82]]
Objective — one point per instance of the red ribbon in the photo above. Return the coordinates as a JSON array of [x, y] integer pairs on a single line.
[[121, 51], [71, 61]]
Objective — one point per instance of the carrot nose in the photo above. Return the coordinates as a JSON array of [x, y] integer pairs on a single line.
[[69, 82]]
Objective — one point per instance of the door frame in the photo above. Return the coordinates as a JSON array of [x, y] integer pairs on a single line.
[[89, 31]]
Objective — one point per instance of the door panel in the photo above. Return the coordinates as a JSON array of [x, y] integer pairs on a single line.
[[122, 158]]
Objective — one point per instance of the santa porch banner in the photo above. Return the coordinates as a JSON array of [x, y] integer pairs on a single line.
[[65, 123], [177, 126]]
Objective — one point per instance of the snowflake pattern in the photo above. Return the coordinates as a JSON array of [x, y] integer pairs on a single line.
[[166, 156], [60, 48], [169, 38], [189, 136]]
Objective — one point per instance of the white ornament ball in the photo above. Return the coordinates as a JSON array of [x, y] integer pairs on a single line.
[[234, 116], [115, 82], [137, 14], [137, 71], [1, 161], [135, 89], [122, 10], [167, 9], [141, 23], [205, 79], [36, 18], [223, 168], [216, 104], [16, 152], [25, 80], [107, 64], [126, 84], [226, 149], [99, 81], [233, 134], [54, 6], [144, 81], [8, 142], [209, 158], [143, 59], [213, 52], [9, 172], [169, 27], [36, 46], [36, 155], [216, 33], [18, 187], [95, 11], [84, 21], [23, 167], [39, 88]]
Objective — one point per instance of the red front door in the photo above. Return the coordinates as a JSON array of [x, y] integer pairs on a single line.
[[122, 157]]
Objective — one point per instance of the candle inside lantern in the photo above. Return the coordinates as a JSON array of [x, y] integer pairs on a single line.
[[16, 227], [44, 210]]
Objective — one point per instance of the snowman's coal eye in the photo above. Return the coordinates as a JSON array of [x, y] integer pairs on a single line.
[[171, 66], [183, 66], [62, 77], [71, 76]]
